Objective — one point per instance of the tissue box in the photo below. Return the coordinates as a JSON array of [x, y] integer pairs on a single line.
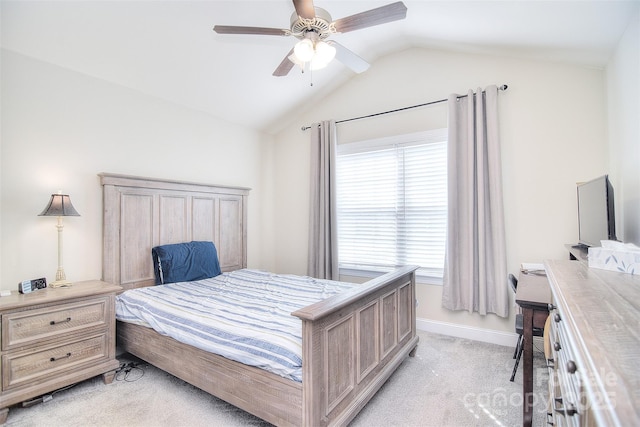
[[618, 259]]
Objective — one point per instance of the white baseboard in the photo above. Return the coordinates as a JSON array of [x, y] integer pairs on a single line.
[[507, 339]]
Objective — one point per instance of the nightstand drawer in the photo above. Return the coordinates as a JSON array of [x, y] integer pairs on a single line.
[[27, 367], [26, 327]]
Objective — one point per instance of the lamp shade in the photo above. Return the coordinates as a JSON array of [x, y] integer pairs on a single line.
[[59, 205]]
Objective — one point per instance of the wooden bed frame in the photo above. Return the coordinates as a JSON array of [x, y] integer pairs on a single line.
[[351, 342]]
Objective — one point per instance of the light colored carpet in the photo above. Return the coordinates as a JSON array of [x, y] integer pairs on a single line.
[[450, 382]]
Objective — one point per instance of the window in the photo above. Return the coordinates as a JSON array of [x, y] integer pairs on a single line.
[[392, 204]]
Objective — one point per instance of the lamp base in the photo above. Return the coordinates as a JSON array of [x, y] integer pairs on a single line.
[[61, 278], [60, 284]]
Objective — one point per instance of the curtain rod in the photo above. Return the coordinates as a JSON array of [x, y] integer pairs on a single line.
[[503, 87]]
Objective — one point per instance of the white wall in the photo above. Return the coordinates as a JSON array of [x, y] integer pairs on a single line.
[[61, 128], [553, 131], [623, 89]]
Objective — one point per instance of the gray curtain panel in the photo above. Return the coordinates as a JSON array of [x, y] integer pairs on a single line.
[[323, 227], [475, 274]]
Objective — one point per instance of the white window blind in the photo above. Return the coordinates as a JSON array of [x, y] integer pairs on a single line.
[[392, 203]]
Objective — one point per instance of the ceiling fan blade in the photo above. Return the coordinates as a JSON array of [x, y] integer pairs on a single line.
[[230, 29], [349, 58], [305, 9], [285, 66], [381, 15]]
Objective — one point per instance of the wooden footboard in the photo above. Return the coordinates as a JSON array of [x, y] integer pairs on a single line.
[[351, 342]]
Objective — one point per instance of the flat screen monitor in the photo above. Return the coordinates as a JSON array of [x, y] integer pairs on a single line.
[[596, 218]]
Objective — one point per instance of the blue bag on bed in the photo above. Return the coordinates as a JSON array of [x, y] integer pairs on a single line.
[[184, 262]]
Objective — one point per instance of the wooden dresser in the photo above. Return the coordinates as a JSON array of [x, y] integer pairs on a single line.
[[52, 338], [594, 377]]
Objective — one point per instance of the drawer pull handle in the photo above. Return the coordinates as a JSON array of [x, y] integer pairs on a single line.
[[67, 320], [571, 367], [66, 356], [557, 318], [570, 410], [556, 346]]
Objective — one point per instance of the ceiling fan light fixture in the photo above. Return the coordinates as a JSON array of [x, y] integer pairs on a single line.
[[317, 53], [304, 50], [324, 52]]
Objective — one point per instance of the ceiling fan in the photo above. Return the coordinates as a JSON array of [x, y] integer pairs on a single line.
[[312, 26]]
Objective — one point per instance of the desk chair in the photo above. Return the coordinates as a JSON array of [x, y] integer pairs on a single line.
[[537, 332]]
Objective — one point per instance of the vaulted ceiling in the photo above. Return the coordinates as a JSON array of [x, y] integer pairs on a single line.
[[167, 49]]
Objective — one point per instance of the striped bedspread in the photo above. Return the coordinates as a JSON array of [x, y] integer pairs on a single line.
[[244, 315]]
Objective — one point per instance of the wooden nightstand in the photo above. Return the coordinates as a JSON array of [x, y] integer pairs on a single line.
[[52, 338]]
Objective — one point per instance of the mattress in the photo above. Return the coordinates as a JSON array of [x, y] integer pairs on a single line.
[[244, 315]]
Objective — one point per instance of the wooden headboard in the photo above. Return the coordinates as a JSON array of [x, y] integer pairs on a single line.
[[140, 213]]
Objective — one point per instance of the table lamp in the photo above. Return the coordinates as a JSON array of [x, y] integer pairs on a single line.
[[60, 205]]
